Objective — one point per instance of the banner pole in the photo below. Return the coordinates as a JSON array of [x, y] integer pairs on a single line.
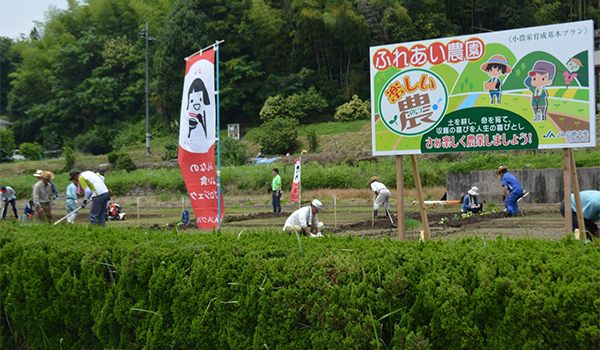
[[300, 188], [218, 137]]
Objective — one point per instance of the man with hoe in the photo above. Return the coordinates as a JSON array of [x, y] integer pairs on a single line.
[[94, 185]]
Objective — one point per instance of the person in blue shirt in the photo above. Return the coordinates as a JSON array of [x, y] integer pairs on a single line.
[[513, 188], [590, 206], [470, 202]]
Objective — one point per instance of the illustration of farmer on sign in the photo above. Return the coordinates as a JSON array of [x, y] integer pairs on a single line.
[[496, 66], [541, 75], [573, 65], [197, 100]]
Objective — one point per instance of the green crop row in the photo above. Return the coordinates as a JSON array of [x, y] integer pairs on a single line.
[[90, 288]]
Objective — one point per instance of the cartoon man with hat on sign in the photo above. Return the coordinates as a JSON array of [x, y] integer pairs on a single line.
[[496, 66], [542, 74]]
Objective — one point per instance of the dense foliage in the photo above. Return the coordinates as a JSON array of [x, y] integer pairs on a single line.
[[83, 287], [84, 67]]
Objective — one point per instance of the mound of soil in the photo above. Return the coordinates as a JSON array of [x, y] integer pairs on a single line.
[[254, 216]]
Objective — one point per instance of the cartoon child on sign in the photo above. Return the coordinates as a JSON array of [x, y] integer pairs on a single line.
[[573, 65], [541, 75], [197, 100], [496, 66]]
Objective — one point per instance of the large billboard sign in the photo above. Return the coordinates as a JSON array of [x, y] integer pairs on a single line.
[[529, 88]]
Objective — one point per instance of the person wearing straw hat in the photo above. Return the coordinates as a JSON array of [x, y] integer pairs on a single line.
[[8, 197], [496, 66], [470, 202], [381, 195], [305, 220], [38, 174], [91, 183], [42, 197], [513, 188]]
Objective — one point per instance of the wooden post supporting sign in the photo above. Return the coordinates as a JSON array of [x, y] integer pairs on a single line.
[[575, 181], [413, 160], [400, 196], [567, 189]]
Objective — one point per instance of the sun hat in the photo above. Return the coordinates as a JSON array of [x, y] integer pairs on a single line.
[[474, 191], [73, 172], [373, 179], [317, 204], [502, 167], [497, 59], [38, 173], [47, 175]]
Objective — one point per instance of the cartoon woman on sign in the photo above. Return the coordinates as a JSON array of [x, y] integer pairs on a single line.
[[197, 100], [496, 66]]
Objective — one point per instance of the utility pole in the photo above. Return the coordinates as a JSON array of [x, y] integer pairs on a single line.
[[145, 34]]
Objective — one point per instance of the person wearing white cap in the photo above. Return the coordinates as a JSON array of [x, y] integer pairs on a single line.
[[305, 220], [470, 202]]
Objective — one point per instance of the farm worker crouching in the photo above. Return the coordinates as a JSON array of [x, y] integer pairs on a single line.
[[381, 195], [305, 220], [512, 185], [91, 183], [590, 206], [42, 197], [8, 197], [470, 202]]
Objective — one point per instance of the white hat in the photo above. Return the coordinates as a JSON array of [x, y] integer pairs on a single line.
[[317, 204], [38, 173], [474, 191]]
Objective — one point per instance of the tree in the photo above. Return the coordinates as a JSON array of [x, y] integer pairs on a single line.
[[7, 145], [279, 136]]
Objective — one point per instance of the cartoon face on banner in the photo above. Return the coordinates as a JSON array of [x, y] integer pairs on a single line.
[[197, 121]]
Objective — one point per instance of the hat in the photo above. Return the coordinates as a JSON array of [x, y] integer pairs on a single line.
[[578, 62], [38, 173], [543, 67], [503, 167], [373, 179], [497, 59], [3, 188], [47, 175], [73, 172], [100, 170], [317, 204], [474, 191]]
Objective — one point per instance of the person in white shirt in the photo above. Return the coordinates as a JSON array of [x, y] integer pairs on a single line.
[[93, 184], [381, 195], [8, 197], [305, 220]]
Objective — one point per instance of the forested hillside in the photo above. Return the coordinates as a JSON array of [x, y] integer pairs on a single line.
[[79, 78]]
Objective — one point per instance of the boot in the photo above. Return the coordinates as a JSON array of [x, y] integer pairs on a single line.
[[375, 214]]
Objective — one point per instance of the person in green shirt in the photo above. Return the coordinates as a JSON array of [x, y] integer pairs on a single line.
[[276, 187]]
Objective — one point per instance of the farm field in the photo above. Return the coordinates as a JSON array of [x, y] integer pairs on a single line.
[[350, 217]]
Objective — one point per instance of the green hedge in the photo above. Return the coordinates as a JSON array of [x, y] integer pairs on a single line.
[[75, 287]]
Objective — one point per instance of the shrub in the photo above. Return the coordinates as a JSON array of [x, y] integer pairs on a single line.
[[171, 150], [130, 134], [113, 157], [31, 150], [96, 142], [7, 145], [70, 157], [302, 107], [124, 162], [353, 110], [233, 152], [279, 136], [313, 140]]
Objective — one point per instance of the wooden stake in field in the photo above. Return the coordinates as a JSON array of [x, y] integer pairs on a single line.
[[182, 203], [138, 210], [335, 211]]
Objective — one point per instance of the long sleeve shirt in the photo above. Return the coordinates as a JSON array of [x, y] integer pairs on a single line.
[[88, 179], [590, 204], [72, 192], [9, 194], [302, 217], [42, 193]]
